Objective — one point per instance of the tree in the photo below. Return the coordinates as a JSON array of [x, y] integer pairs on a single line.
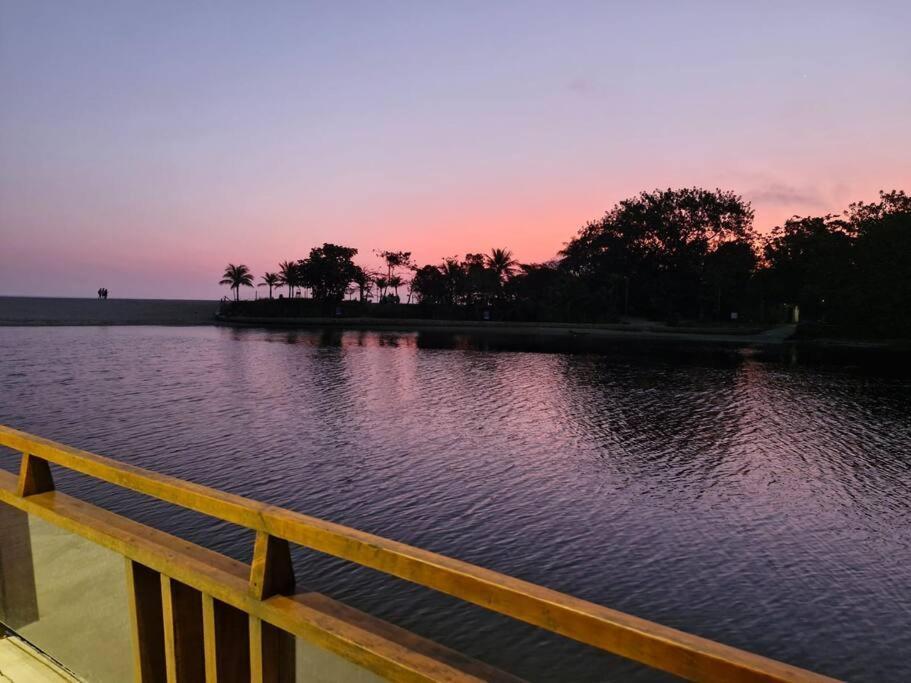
[[481, 283], [657, 243], [328, 271], [728, 269], [454, 279], [429, 285], [395, 282], [394, 261], [289, 275], [878, 300], [361, 280], [501, 262], [381, 284], [270, 280], [808, 263], [550, 292], [849, 270], [237, 277]]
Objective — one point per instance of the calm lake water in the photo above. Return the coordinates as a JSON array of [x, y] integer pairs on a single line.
[[753, 499]]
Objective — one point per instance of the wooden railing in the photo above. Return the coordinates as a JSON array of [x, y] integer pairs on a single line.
[[161, 566]]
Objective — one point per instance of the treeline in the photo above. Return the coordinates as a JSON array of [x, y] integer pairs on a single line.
[[685, 254]]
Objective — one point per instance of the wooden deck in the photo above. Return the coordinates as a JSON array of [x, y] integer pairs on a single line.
[[22, 663]]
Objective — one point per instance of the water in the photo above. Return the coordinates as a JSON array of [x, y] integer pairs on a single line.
[[750, 499]]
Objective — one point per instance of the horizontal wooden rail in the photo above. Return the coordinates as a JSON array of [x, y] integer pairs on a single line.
[[658, 646], [379, 647]]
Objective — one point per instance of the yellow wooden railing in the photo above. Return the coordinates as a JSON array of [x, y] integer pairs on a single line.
[[162, 569]]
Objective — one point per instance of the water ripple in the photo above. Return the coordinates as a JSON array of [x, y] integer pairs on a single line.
[[762, 504]]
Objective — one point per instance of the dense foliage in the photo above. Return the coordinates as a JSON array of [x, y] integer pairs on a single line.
[[684, 254], [851, 271]]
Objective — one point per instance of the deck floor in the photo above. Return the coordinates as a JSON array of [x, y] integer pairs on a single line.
[[21, 663]]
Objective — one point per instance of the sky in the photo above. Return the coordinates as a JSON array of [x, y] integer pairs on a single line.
[[143, 146]]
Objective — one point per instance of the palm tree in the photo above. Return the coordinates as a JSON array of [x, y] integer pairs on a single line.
[[236, 277], [453, 277], [395, 282], [270, 280], [381, 283], [501, 262], [288, 275], [361, 279]]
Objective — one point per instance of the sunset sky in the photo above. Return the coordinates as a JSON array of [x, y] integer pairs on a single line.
[[145, 145]]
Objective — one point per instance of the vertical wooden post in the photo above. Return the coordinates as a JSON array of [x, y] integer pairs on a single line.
[[271, 573], [34, 476], [256, 650], [146, 623], [226, 637], [208, 637], [271, 653], [181, 608], [18, 592]]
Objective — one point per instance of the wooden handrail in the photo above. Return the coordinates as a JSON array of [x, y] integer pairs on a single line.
[[658, 646]]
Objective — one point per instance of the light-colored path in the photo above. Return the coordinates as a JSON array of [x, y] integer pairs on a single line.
[[21, 663]]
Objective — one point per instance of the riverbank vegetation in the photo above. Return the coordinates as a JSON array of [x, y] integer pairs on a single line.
[[668, 255]]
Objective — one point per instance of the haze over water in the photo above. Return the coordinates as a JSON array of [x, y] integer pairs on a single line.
[[736, 495]]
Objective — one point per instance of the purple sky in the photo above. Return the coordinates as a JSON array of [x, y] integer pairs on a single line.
[[145, 145]]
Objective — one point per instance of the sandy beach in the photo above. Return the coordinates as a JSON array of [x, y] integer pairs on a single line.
[[16, 310]]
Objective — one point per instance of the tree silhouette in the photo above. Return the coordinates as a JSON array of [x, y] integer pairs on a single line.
[[656, 244], [328, 271], [667, 254], [289, 275], [361, 279], [395, 282], [502, 263], [381, 283], [237, 277], [270, 280]]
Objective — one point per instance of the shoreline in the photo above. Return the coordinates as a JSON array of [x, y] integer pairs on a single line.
[[582, 331], [75, 312]]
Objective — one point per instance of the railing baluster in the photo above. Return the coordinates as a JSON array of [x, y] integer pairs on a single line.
[[210, 646], [183, 631], [146, 623], [226, 640], [271, 653]]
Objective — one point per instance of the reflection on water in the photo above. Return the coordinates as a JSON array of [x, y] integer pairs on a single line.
[[745, 497]]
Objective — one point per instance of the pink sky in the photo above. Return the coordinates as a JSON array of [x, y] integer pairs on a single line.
[[142, 149]]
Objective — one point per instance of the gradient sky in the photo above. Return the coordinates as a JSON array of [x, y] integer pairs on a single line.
[[145, 145]]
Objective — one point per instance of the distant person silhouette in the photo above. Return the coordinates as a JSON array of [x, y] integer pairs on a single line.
[[100, 290]]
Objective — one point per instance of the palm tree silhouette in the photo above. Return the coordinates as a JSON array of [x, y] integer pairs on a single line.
[[381, 283], [237, 276], [270, 280], [395, 282], [501, 262], [288, 275]]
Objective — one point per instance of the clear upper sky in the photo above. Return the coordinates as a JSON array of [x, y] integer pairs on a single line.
[[144, 145]]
